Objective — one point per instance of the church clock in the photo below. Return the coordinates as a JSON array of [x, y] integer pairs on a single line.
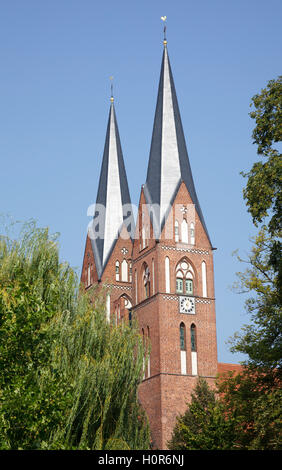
[[186, 304]]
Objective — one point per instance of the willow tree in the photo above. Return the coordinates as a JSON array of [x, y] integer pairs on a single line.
[[68, 379], [101, 366]]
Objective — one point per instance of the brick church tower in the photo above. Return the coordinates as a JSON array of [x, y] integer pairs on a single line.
[[161, 271]]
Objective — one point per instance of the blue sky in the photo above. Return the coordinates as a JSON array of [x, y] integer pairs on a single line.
[[56, 59]]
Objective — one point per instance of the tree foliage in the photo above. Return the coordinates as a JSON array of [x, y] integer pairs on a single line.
[[245, 413], [204, 425], [255, 394], [263, 191], [261, 340], [68, 379], [256, 405]]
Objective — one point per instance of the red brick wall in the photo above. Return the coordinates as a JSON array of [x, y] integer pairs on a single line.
[[165, 392]]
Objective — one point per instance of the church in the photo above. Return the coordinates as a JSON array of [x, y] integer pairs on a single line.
[[158, 268]]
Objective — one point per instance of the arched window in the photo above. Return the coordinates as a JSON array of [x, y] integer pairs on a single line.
[[183, 360], [124, 271], [149, 361], [117, 270], [136, 287], [182, 337], [204, 279], [176, 231], [184, 231], [179, 282], [167, 275], [143, 337], [194, 361], [153, 276], [146, 281], [189, 286], [130, 271], [192, 233], [193, 338]]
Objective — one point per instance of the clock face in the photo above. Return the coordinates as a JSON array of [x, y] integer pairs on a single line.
[[186, 304]]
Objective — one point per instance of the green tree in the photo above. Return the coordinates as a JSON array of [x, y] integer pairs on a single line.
[[262, 340], [34, 285], [256, 406], [103, 365], [68, 379], [263, 191], [255, 394], [205, 425]]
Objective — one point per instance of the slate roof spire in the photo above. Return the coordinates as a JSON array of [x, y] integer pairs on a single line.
[[113, 203], [168, 162]]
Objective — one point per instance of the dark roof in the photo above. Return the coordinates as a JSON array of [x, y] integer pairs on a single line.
[[98, 243], [152, 188]]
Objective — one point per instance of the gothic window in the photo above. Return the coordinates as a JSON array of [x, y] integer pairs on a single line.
[[124, 271], [176, 231], [179, 282], [182, 337], [153, 276], [130, 271], [136, 287], [184, 231], [117, 270], [146, 281], [143, 237], [182, 349], [189, 286], [149, 360], [184, 278], [193, 338], [204, 279], [192, 233], [167, 275]]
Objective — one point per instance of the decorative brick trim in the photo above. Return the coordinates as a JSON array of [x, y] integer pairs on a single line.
[[113, 286], [176, 297], [170, 297], [187, 250], [201, 301]]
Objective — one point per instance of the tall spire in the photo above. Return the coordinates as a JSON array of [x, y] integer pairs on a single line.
[[113, 204], [168, 161]]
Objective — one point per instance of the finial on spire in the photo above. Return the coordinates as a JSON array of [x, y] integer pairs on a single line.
[[112, 97], [163, 18]]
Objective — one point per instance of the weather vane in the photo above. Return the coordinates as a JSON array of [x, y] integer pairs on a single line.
[[112, 97], [163, 18]]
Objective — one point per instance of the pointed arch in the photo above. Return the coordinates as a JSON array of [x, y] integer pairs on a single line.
[[167, 275], [136, 287], [146, 281], [184, 231], [192, 233], [153, 276], [193, 339], [176, 231], [204, 279], [185, 275], [117, 270], [149, 359], [183, 358], [124, 271]]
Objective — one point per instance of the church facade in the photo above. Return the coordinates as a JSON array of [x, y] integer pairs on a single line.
[[159, 268]]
